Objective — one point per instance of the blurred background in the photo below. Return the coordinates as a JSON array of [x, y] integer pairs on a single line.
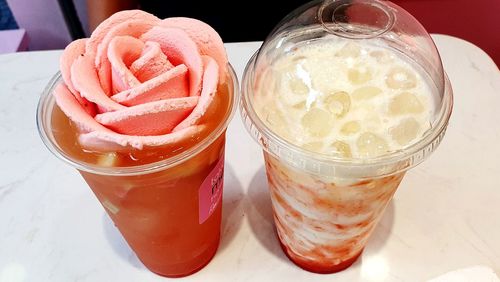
[[52, 24]]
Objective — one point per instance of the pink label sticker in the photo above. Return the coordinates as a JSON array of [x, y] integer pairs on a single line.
[[210, 192]]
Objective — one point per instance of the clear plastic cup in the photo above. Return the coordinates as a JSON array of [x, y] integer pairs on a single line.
[[168, 211], [326, 206]]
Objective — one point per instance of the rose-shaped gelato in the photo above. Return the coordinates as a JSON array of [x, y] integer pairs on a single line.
[[140, 81]]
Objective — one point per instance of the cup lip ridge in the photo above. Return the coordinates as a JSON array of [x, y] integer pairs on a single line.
[[46, 102], [284, 150]]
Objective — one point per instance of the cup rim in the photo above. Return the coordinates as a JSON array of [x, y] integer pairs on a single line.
[[318, 163], [47, 102]]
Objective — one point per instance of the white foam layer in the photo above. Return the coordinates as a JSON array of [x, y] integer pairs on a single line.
[[337, 97]]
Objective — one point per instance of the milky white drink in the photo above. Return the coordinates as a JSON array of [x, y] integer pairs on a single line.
[[343, 98], [354, 101]]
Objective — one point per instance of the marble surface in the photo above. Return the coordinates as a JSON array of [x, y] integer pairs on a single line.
[[445, 215]]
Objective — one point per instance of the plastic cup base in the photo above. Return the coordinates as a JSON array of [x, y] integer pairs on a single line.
[[201, 266], [316, 267]]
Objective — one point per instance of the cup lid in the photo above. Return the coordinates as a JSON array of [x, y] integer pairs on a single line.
[[355, 20]]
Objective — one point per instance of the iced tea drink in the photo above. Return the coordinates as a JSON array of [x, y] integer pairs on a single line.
[[340, 117], [147, 135]]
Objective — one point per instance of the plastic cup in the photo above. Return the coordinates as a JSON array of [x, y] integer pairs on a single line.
[[169, 212], [325, 207]]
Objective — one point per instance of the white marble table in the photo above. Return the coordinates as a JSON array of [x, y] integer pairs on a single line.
[[445, 215]]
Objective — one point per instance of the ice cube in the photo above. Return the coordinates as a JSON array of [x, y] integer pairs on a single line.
[[406, 131], [350, 127], [107, 159], [300, 106], [342, 149], [405, 103], [294, 90], [297, 86], [315, 146], [274, 117], [350, 50], [298, 58], [366, 92], [112, 208], [122, 190], [359, 75], [318, 122], [372, 120], [401, 78], [381, 56], [338, 103], [371, 145]]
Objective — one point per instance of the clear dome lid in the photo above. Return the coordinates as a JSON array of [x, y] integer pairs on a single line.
[[363, 22], [382, 22]]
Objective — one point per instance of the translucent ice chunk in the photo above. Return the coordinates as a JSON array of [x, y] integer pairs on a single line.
[[350, 127], [124, 189], [372, 120], [406, 131], [371, 145], [350, 49], [359, 75], [315, 146], [338, 103], [112, 208], [274, 117], [298, 58], [107, 159], [405, 103], [300, 106], [297, 86], [381, 56], [401, 78], [342, 149], [318, 122], [366, 92]]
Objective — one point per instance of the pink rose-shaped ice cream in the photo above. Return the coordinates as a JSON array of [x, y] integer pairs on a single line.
[[140, 81]]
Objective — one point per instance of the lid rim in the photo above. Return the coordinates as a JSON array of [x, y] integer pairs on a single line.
[[402, 159]]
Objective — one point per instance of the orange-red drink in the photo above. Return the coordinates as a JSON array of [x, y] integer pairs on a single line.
[[152, 148]]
